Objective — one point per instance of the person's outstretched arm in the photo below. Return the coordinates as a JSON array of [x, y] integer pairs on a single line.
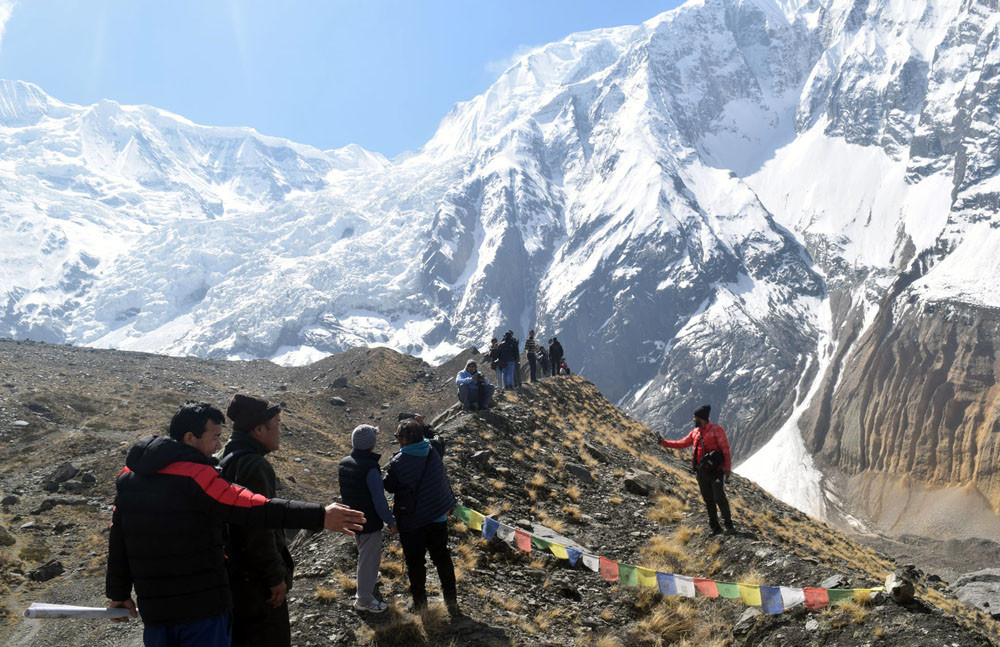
[[686, 441]]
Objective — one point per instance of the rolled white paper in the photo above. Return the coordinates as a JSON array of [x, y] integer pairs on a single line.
[[42, 610]]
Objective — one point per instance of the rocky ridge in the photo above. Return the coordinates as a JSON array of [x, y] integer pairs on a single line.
[[554, 457]]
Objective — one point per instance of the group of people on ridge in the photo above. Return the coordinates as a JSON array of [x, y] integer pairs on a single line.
[[475, 390], [201, 541]]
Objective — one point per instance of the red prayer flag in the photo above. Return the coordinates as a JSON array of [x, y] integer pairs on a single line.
[[609, 569], [523, 540], [706, 587], [815, 598]]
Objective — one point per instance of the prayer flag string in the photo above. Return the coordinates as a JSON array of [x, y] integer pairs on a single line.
[[771, 599]]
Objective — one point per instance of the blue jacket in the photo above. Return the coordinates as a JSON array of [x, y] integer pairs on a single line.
[[465, 377], [435, 498]]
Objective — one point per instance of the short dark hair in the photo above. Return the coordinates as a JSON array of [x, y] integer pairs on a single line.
[[410, 429], [193, 416]]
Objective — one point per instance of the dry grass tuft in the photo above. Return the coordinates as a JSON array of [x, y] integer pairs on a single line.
[[573, 492], [666, 509], [497, 484], [537, 480], [326, 595], [664, 626], [344, 581], [683, 535], [664, 553], [572, 513]]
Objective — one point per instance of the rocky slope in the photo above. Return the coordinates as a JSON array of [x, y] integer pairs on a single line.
[[553, 457], [735, 202]]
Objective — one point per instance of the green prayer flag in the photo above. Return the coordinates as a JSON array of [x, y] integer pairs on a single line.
[[627, 575], [728, 590], [540, 544], [840, 595], [464, 514]]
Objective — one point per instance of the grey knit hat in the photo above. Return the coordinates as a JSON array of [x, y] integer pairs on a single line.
[[363, 437]]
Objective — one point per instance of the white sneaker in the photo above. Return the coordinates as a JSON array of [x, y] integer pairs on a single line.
[[375, 606]]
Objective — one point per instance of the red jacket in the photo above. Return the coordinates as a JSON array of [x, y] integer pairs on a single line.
[[713, 437]]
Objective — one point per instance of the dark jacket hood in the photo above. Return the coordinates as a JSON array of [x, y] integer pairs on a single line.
[[152, 453]]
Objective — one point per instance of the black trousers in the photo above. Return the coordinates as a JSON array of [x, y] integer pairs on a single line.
[[255, 622], [433, 539], [713, 492], [532, 360], [554, 363]]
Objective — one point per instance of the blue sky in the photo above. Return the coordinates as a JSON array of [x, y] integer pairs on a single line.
[[381, 74]]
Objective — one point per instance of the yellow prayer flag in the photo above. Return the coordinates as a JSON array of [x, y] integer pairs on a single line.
[[750, 594], [646, 577], [475, 520], [559, 551]]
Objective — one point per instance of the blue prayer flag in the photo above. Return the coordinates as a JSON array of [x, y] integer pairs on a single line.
[[574, 555], [770, 600], [490, 527], [666, 584]]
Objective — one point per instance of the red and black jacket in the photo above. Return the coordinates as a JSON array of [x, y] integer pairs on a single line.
[[168, 531]]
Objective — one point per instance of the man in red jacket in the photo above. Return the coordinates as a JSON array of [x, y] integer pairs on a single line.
[[712, 465]]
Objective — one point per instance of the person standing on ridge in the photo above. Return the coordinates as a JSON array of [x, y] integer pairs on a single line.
[[168, 525], [508, 358], [260, 566], [361, 488], [421, 503], [555, 355], [712, 465], [495, 362], [543, 360], [531, 350]]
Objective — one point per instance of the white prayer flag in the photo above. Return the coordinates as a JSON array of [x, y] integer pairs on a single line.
[[505, 532], [685, 585], [791, 597], [593, 562]]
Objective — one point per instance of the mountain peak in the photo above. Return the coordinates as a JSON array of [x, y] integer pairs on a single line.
[[23, 103]]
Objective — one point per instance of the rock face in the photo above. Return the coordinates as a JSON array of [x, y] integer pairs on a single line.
[[786, 209], [981, 590]]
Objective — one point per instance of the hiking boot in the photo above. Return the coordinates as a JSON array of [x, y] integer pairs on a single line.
[[375, 606], [730, 530], [716, 530], [451, 602]]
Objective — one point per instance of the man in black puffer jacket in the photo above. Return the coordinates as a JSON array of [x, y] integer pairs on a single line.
[[260, 566], [168, 526], [417, 467]]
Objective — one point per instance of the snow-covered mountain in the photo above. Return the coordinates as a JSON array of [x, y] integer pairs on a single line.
[[739, 201]]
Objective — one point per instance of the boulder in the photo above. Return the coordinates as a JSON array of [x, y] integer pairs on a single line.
[[981, 590], [747, 620], [10, 499], [595, 453], [47, 571], [6, 539], [72, 486], [899, 587], [640, 482], [339, 383], [482, 458], [338, 402], [835, 582], [64, 472], [580, 472]]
